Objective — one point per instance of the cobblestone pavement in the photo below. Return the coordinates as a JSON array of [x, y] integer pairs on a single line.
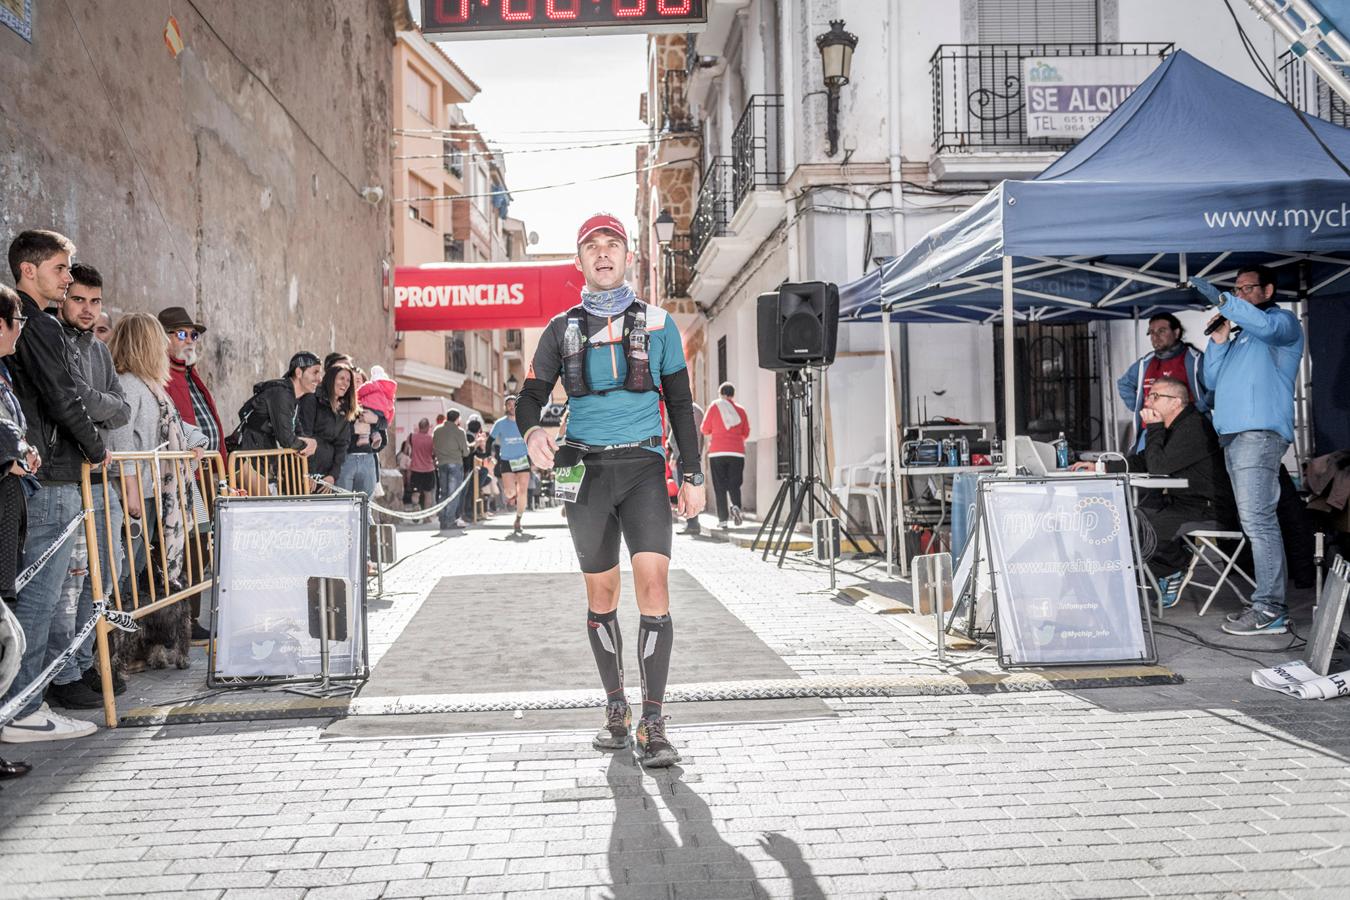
[[1208, 789]]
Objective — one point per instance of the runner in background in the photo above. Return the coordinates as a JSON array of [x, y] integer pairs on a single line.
[[515, 468]]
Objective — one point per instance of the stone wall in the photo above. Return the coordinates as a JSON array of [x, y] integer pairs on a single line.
[[225, 180]]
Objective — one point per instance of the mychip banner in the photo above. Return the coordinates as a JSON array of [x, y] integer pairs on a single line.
[[1066, 96], [281, 563], [1065, 578]]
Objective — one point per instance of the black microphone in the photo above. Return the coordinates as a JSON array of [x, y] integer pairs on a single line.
[[1217, 324]]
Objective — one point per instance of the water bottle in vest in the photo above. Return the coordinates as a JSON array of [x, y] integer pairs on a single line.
[[574, 360], [639, 366]]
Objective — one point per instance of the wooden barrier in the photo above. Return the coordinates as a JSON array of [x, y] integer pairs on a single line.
[[274, 473], [177, 480]]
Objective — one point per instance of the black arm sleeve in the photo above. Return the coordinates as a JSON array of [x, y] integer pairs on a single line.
[[680, 408], [538, 386]]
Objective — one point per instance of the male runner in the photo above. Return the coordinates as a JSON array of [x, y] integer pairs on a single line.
[[612, 457]]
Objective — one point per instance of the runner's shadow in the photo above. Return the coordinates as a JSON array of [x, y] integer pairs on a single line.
[[644, 855]]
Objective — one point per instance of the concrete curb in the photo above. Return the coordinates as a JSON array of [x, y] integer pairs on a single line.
[[932, 684]]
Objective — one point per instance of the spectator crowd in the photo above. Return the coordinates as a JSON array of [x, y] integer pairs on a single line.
[[77, 385]]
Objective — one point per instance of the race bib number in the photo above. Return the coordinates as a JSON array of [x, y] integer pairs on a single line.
[[519, 465], [567, 482]]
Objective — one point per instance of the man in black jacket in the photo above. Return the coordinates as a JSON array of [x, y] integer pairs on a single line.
[[1181, 443], [60, 429]]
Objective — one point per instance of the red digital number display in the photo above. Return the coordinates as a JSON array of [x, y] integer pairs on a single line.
[[483, 17]]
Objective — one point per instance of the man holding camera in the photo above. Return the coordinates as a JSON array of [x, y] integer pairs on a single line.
[[1251, 363]]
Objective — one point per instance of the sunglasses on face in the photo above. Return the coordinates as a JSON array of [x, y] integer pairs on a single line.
[[184, 334]]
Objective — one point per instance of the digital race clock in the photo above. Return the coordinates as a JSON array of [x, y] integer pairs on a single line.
[[489, 18]]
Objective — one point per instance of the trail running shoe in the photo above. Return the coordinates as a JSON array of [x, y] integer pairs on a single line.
[[614, 735], [654, 750], [1170, 589], [1252, 621], [517, 530]]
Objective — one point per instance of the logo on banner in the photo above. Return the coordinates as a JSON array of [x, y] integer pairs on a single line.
[[443, 295], [1094, 520]]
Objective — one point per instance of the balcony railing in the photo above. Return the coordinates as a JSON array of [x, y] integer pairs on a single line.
[[978, 102], [452, 158], [454, 353], [677, 267], [675, 117], [513, 340], [1307, 91], [757, 146], [715, 204]]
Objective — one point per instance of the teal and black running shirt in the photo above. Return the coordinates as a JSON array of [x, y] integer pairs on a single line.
[[619, 416]]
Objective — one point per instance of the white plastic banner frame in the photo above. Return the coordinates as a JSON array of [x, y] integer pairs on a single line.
[[268, 551], [1067, 583]]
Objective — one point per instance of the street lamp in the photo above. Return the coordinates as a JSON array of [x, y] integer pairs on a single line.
[[665, 227], [511, 384], [836, 59]]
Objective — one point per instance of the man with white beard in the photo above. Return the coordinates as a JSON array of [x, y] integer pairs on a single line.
[[193, 401], [185, 386]]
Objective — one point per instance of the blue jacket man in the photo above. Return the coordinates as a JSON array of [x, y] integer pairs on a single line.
[[1251, 363], [1171, 357]]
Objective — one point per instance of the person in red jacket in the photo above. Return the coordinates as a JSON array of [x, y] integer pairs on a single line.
[[728, 425], [186, 389]]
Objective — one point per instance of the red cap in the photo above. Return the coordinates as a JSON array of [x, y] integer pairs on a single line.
[[598, 222]]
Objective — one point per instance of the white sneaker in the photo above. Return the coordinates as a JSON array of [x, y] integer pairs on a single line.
[[460, 523], [45, 725]]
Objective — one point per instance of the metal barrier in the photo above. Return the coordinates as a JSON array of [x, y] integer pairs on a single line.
[[276, 473], [164, 502]]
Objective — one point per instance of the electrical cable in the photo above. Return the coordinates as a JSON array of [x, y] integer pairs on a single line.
[[469, 130], [1269, 78], [560, 148], [1192, 637], [542, 187], [268, 89]]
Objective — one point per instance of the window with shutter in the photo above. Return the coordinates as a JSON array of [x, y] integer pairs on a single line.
[[1037, 21]]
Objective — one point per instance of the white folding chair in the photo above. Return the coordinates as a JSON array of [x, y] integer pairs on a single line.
[[863, 480], [1204, 543]]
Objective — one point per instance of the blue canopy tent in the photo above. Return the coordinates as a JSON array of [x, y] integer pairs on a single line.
[[1194, 174]]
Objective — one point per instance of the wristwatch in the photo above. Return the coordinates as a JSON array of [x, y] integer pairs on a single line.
[[696, 479]]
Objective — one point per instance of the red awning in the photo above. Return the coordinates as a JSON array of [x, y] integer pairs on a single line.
[[469, 296]]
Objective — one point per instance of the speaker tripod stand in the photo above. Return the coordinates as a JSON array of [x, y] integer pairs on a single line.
[[799, 493]]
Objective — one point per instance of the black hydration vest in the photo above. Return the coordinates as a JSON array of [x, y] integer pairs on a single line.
[[629, 321]]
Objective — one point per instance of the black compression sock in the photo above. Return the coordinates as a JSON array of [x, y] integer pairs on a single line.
[[607, 646], [656, 634]]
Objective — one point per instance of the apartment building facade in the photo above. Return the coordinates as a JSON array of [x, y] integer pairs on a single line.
[[930, 119], [455, 210]]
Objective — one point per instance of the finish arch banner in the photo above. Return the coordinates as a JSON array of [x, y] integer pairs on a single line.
[[483, 296]]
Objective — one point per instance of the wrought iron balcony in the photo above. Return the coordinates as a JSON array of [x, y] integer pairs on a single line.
[[677, 267], [757, 146], [978, 102], [715, 204], [1309, 92]]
